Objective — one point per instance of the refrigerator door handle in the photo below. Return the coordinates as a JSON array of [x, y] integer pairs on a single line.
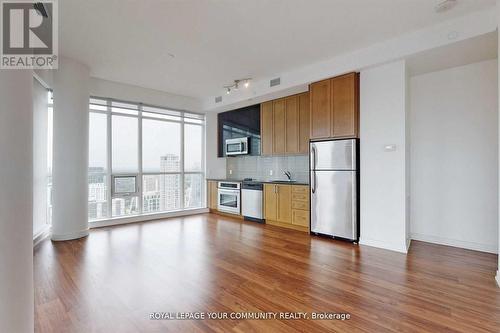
[[354, 207], [313, 188], [313, 156]]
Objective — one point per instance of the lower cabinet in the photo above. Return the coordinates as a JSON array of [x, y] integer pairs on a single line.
[[212, 194], [287, 206]]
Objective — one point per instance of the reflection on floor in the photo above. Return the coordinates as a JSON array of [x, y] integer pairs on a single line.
[[114, 279]]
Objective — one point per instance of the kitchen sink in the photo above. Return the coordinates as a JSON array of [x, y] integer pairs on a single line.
[[283, 181]]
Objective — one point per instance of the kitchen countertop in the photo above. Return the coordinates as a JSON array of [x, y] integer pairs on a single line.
[[260, 181]]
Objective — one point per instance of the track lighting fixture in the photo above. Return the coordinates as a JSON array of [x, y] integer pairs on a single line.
[[235, 86]]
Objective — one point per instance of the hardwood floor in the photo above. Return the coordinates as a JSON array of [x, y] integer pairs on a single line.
[[112, 280]]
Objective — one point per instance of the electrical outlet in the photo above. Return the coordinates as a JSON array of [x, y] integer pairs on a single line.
[[230, 171], [270, 172]]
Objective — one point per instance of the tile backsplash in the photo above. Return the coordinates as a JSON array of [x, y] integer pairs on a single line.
[[268, 168]]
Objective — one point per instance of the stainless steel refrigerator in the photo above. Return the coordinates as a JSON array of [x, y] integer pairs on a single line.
[[334, 188]]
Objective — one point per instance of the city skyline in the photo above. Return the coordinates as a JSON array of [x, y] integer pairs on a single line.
[[160, 192]]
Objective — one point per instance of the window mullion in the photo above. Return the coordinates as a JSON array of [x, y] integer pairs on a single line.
[[182, 163], [109, 165], [140, 158]]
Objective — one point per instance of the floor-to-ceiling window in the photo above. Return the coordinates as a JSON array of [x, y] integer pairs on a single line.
[[50, 131], [143, 159]]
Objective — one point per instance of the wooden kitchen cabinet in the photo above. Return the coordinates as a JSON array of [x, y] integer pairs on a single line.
[[303, 123], [270, 202], [212, 194], [292, 125], [287, 206], [300, 206], [335, 107], [279, 126], [284, 203], [285, 125], [345, 106], [321, 109], [278, 203], [266, 128]]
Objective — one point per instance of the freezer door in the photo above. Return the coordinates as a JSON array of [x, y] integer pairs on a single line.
[[333, 203], [333, 155]]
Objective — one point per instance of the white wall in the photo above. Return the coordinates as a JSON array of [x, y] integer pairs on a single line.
[[16, 201], [215, 166], [454, 135], [40, 170], [498, 92], [383, 174]]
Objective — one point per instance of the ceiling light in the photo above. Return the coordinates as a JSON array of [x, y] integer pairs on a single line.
[[236, 84], [445, 5]]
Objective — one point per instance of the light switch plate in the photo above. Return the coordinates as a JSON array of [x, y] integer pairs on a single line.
[[390, 148]]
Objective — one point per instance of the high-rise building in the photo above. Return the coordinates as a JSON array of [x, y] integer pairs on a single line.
[[170, 184], [98, 191]]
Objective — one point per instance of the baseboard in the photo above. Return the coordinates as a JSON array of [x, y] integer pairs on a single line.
[[455, 243], [70, 236], [143, 218], [215, 211], [408, 243], [41, 235], [402, 248]]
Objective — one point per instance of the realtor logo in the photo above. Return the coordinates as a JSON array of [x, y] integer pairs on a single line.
[[29, 34]]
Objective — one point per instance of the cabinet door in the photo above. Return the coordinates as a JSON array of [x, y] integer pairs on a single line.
[[292, 125], [300, 218], [279, 126], [270, 202], [212, 194], [320, 112], [303, 123], [266, 128], [345, 106], [284, 203]]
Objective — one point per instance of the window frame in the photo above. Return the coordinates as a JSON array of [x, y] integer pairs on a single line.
[[182, 115]]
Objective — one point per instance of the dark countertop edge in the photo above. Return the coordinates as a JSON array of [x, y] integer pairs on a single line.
[[259, 181]]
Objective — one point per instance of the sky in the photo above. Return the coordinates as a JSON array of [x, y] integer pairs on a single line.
[[159, 138]]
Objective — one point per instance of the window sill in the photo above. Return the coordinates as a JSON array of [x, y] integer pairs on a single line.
[[144, 217]]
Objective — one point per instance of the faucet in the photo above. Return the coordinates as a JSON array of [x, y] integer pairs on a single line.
[[288, 174]]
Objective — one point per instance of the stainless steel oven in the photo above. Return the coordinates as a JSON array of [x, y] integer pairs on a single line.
[[237, 146], [228, 197]]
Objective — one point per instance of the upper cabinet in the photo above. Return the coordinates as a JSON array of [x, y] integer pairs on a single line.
[[320, 94], [335, 107], [266, 128], [303, 123], [279, 126], [285, 125]]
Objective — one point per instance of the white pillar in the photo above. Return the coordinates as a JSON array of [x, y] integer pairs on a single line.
[[16, 205], [384, 178], [70, 151]]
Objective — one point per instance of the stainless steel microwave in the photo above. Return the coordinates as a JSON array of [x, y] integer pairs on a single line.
[[237, 146]]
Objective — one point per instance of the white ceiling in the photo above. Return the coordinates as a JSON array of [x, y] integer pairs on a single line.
[[194, 47], [484, 47]]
